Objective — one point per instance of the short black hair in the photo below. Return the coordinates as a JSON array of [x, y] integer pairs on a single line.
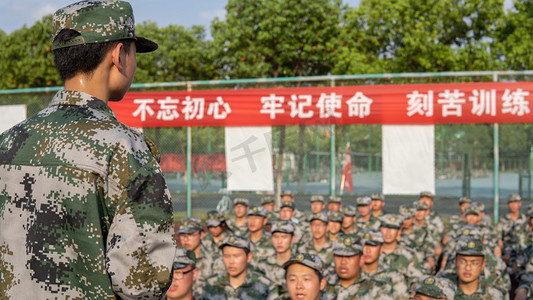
[[85, 59]]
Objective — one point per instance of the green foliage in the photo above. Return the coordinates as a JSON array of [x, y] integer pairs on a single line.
[[515, 35]]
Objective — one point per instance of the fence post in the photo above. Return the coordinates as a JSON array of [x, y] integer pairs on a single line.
[[530, 173], [332, 154], [189, 158], [496, 167]]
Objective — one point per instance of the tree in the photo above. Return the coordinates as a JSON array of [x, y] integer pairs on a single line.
[[515, 36]]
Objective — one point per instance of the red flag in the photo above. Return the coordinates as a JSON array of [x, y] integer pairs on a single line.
[[347, 170]]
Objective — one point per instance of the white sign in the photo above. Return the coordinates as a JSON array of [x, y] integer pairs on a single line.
[[249, 158], [11, 115]]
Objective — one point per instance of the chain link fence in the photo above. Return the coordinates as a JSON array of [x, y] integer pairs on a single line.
[[464, 161]]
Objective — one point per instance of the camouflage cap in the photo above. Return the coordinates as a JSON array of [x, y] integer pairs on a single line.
[[98, 22], [286, 204], [318, 216], [529, 212], [377, 196], [426, 194], [190, 225], [236, 241], [214, 218], [287, 193], [464, 200], [471, 209], [469, 246], [435, 287], [335, 199], [473, 231], [349, 211], [363, 201], [317, 198], [347, 245], [335, 216], [284, 226], [419, 205], [272, 216], [480, 206], [513, 198], [391, 221], [242, 201], [406, 212], [309, 260], [267, 199], [257, 211], [184, 257], [371, 237]]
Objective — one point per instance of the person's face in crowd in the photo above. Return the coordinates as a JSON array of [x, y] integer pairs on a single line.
[[303, 283], [408, 222], [236, 260], [286, 213], [334, 206], [472, 219], [317, 206], [514, 206], [371, 253], [420, 214], [270, 206], [377, 205], [240, 210], [390, 235], [427, 200], [364, 210], [287, 198], [347, 267], [215, 230], [318, 229], [463, 206], [191, 240], [348, 221], [334, 227], [282, 241], [182, 282], [468, 267], [256, 223]]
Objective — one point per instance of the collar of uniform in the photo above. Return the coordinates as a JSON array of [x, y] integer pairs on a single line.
[[481, 287], [248, 280], [79, 98]]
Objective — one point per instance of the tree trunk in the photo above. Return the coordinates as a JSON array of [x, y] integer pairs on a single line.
[[279, 171]]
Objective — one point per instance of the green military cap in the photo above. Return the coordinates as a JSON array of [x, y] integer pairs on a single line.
[[335, 199], [309, 260], [391, 221], [529, 212], [419, 205], [480, 206], [363, 201], [377, 196], [349, 210], [267, 199], [464, 200], [435, 287], [272, 216], [371, 237], [190, 225], [471, 231], [347, 245], [426, 194], [214, 218], [287, 204], [469, 246], [287, 193], [98, 22], [184, 257], [318, 216], [514, 197], [406, 212], [335, 216], [471, 209], [284, 226], [257, 211], [242, 201], [317, 198], [236, 241]]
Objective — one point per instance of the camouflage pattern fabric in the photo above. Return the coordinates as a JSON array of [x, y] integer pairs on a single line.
[[325, 254], [397, 281], [485, 291], [254, 286], [274, 271], [435, 287], [261, 248], [403, 260], [237, 230], [364, 288], [204, 264], [84, 207]]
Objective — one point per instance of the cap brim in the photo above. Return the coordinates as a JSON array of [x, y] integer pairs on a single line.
[[145, 45]]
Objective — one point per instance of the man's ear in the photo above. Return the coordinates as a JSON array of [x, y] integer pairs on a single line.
[[118, 56], [195, 274]]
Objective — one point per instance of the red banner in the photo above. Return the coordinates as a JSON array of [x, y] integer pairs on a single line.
[[488, 102]]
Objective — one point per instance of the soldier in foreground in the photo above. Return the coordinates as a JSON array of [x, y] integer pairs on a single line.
[[84, 202], [185, 274], [433, 288], [305, 281]]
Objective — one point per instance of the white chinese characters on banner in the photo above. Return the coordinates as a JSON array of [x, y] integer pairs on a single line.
[[514, 103], [421, 104], [272, 105], [452, 103], [483, 102], [192, 108], [359, 105], [300, 106]]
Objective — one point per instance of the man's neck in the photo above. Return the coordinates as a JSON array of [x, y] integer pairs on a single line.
[[256, 235], [282, 258], [419, 223], [389, 247], [370, 268], [514, 215], [240, 221], [376, 213], [348, 229], [346, 283], [94, 85], [319, 243], [365, 218], [468, 288], [238, 280], [188, 296], [197, 250]]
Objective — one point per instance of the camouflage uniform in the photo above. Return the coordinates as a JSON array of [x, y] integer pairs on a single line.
[[506, 226], [372, 223], [435, 287], [396, 280], [85, 211], [263, 247], [232, 223], [350, 211], [323, 253], [456, 221]]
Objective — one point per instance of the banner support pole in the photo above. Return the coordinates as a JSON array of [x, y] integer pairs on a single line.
[[332, 154], [189, 158], [496, 151]]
